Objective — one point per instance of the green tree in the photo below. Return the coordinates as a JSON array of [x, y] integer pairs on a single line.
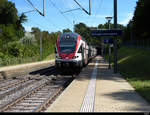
[[8, 12], [22, 18], [141, 19], [66, 30], [10, 22], [35, 30]]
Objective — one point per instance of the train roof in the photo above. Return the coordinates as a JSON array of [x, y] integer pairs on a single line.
[[70, 34]]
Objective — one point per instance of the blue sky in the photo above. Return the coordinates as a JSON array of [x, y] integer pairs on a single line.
[[54, 21]]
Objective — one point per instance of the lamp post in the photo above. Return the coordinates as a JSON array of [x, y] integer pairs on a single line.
[[109, 19]]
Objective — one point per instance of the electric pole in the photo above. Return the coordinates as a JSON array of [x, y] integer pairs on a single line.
[[41, 54], [115, 39]]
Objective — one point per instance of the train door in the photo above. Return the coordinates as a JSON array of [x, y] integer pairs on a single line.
[[85, 55], [82, 49]]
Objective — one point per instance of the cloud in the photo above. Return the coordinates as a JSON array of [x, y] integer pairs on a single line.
[[129, 16]]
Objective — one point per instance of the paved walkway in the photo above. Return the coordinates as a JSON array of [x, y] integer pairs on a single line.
[[112, 93]]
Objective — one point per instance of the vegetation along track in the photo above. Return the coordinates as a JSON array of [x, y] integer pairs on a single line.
[[34, 94]]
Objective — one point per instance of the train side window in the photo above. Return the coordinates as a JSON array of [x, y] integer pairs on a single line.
[[80, 49]]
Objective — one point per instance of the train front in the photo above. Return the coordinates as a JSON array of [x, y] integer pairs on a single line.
[[66, 55]]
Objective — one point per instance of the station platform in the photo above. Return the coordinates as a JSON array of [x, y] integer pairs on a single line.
[[98, 89], [13, 70]]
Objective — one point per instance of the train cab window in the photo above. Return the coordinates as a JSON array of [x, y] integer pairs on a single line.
[[67, 49], [67, 46]]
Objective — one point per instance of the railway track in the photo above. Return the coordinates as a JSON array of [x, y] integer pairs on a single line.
[[5, 84], [34, 94], [11, 83]]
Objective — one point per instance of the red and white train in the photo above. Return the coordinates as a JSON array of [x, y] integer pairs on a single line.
[[72, 51]]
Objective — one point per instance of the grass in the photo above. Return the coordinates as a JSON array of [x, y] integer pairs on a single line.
[[50, 57], [16, 61], [134, 65]]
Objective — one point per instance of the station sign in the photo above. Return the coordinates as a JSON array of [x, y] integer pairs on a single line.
[[106, 32]]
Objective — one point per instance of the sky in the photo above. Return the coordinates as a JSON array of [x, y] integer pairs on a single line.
[[54, 20]]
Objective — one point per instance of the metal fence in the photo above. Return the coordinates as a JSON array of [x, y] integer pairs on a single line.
[[143, 44]]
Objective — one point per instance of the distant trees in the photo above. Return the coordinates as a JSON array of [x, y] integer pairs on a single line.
[[66, 30], [8, 12], [11, 29], [83, 30], [106, 26], [137, 29], [15, 43], [141, 19], [48, 40], [10, 22]]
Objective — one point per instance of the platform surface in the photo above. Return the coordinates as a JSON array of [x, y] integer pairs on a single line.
[[98, 89]]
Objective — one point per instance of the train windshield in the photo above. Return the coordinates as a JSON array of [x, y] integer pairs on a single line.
[[67, 43], [67, 46]]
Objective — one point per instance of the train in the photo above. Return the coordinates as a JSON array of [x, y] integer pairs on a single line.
[[72, 51]]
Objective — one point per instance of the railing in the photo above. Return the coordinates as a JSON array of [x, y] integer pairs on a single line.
[[142, 44]]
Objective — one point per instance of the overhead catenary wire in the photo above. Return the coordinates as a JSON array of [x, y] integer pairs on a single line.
[[72, 14], [89, 13], [36, 23], [28, 11], [35, 9], [49, 21], [81, 8], [98, 9], [60, 11], [112, 11], [43, 14], [71, 10], [100, 5]]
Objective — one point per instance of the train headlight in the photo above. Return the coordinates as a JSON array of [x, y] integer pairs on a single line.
[[74, 57], [58, 57]]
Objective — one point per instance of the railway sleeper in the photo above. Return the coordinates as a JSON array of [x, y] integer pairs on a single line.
[[26, 105], [25, 110], [35, 98], [22, 108]]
